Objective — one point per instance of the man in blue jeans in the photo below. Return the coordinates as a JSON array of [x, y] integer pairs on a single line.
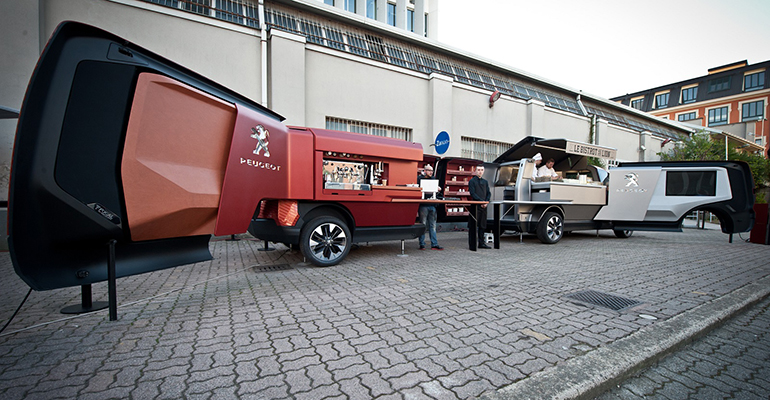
[[427, 213]]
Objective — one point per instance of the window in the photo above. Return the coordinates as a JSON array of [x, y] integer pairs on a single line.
[[357, 45], [167, 3], [718, 116], [285, 21], [229, 11], [691, 183], [376, 47], [689, 94], [252, 15], [661, 100], [368, 128], [329, 2], [426, 25], [334, 39], [350, 5], [312, 32], [687, 116], [485, 150], [753, 111], [638, 103], [754, 81], [371, 9], [718, 84], [397, 56], [197, 6], [410, 20], [391, 14]]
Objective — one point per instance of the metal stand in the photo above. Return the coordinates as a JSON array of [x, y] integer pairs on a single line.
[[402, 250], [472, 239], [112, 284], [233, 238], [496, 226], [86, 304], [267, 247]]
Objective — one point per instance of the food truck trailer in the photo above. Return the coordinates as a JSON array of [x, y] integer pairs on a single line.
[[125, 161], [631, 196]]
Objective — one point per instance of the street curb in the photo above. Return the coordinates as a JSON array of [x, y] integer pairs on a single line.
[[594, 373]]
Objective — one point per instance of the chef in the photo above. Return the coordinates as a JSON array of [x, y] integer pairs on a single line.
[[547, 170]]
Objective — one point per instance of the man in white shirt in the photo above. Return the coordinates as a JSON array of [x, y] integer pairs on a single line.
[[547, 170]]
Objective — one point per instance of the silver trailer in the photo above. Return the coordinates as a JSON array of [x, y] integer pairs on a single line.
[[632, 196]]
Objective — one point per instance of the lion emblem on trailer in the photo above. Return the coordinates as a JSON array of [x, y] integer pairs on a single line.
[[633, 180], [261, 134]]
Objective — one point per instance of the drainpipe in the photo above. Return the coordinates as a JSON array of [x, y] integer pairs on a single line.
[[263, 51], [580, 104]]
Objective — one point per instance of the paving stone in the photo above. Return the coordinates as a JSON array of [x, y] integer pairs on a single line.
[[439, 326]]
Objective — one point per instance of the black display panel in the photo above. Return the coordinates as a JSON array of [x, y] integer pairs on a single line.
[[65, 200]]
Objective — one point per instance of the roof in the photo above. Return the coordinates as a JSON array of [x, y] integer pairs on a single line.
[[8, 113], [558, 149], [318, 7]]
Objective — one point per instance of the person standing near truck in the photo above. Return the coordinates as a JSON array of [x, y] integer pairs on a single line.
[[427, 213], [479, 190]]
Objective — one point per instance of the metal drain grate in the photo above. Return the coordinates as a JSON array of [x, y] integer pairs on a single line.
[[271, 268], [615, 303]]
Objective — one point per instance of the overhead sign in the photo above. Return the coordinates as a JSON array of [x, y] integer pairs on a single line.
[[442, 142], [590, 150]]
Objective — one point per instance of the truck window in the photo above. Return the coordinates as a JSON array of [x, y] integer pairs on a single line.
[[691, 183], [506, 175], [346, 175]]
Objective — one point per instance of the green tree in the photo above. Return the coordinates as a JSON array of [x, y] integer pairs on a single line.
[[701, 147]]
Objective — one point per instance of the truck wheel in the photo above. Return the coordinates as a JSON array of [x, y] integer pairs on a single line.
[[550, 229], [623, 233], [325, 241]]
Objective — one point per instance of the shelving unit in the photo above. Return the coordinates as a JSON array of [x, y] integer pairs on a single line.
[[458, 174]]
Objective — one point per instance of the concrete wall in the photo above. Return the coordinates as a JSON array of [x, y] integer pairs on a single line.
[[307, 82], [224, 52], [346, 86], [227, 53], [19, 49]]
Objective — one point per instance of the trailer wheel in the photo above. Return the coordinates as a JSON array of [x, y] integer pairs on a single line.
[[623, 233], [550, 229], [325, 241]]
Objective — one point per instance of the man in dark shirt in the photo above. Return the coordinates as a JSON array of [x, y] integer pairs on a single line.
[[479, 189]]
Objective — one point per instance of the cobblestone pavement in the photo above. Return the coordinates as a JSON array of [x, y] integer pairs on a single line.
[[450, 324], [731, 362]]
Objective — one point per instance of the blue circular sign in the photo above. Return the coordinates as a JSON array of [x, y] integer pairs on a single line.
[[442, 142]]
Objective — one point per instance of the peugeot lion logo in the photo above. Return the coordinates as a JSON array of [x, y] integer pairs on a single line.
[[261, 134], [633, 180]]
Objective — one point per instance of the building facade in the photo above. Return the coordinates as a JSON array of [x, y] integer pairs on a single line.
[[339, 66], [732, 99]]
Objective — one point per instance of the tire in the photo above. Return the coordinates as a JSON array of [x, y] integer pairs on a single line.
[[550, 228], [623, 233], [325, 241]]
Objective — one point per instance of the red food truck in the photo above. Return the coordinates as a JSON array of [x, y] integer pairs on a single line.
[[126, 159]]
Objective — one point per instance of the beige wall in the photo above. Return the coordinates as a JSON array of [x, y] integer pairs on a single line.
[[227, 53], [350, 87], [19, 49], [307, 82]]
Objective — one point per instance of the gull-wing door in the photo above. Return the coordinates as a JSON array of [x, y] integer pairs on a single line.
[[117, 143]]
